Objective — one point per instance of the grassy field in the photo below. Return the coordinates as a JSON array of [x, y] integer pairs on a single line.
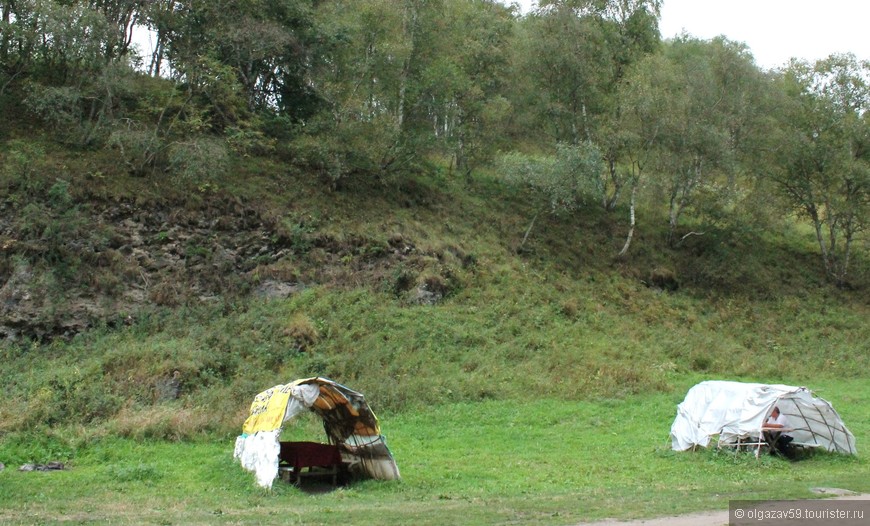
[[539, 388], [540, 461]]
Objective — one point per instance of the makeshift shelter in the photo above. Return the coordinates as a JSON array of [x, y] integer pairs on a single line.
[[736, 411], [347, 419]]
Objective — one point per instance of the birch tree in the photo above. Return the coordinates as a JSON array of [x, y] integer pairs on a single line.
[[821, 154]]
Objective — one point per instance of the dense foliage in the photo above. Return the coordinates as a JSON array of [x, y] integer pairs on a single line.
[[373, 89]]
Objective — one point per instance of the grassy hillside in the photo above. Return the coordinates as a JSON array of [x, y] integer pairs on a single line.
[[419, 294], [415, 293]]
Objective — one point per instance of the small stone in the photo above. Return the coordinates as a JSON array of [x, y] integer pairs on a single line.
[[275, 289]]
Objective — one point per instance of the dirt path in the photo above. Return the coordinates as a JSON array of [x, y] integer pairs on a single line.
[[708, 518]]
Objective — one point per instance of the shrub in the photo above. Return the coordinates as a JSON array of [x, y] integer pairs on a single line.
[[21, 166], [37, 445], [83, 114], [165, 422], [198, 160], [140, 147], [568, 179], [369, 149], [244, 141], [60, 107], [302, 331]]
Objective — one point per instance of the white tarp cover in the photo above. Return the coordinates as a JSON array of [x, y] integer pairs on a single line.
[[737, 410], [258, 451]]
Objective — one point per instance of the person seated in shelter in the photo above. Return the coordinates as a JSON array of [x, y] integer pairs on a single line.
[[774, 434]]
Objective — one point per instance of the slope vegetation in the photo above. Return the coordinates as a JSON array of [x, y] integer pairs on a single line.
[[146, 307]]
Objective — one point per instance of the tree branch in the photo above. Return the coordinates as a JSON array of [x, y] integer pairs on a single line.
[[689, 234]]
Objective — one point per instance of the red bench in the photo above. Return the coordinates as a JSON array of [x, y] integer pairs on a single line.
[[320, 459]]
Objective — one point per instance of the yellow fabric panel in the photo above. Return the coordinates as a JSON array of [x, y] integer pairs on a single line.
[[267, 410]]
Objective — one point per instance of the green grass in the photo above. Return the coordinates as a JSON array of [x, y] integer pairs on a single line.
[[539, 390], [493, 341], [538, 461]]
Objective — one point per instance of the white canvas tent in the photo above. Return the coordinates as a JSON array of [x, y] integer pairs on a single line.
[[736, 411]]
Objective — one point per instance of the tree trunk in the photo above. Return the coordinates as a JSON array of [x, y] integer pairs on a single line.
[[4, 42], [610, 202], [681, 193], [162, 35], [128, 26], [410, 28], [156, 56], [630, 235], [528, 231], [820, 237], [673, 217], [844, 267], [585, 123]]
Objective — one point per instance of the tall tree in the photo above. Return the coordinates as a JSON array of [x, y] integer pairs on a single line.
[[268, 46], [404, 79], [577, 53], [821, 155], [55, 42], [644, 103], [462, 88], [160, 18], [121, 17], [362, 80], [569, 59], [631, 27], [698, 127]]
